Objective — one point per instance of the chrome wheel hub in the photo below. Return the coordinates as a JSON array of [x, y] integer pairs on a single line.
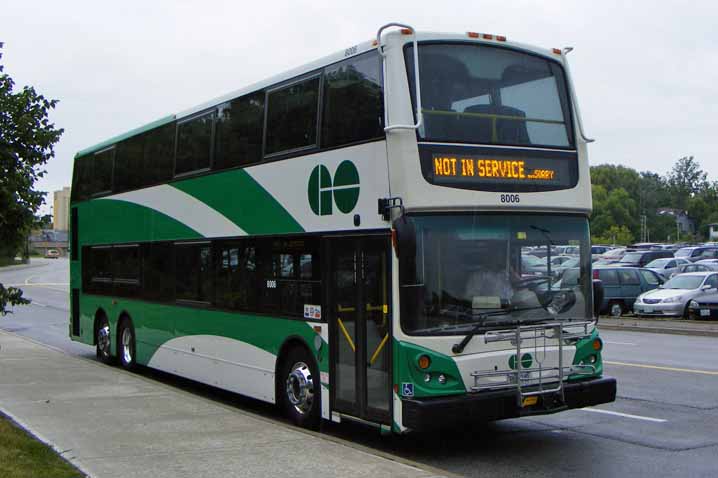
[[127, 345], [300, 388], [103, 340]]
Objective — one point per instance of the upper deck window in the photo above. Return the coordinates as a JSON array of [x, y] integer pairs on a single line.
[[489, 95], [292, 117]]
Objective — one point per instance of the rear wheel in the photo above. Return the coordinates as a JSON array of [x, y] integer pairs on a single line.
[[615, 309], [299, 388], [103, 341], [126, 344]]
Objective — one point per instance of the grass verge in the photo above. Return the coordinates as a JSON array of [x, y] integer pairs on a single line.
[[23, 456]]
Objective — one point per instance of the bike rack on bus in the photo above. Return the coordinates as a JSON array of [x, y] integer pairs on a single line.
[[540, 380], [417, 91]]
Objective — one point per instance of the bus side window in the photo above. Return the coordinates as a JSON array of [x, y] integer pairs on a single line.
[[158, 271], [194, 142], [238, 135], [193, 281], [292, 117], [353, 101]]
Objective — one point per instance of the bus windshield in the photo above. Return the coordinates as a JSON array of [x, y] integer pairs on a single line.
[[458, 270], [484, 94]]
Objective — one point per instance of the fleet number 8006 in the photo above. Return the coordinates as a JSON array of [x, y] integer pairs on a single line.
[[510, 198]]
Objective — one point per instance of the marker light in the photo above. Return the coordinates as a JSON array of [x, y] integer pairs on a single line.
[[427, 377], [500, 38], [472, 34], [597, 344], [557, 51], [406, 31], [487, 36], [424, 362], [442, 379]]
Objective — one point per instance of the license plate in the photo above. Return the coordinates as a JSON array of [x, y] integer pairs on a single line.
[[647, 310], [529, 401], [705, 312]]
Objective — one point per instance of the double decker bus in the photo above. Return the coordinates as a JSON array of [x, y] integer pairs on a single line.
[[395, 234]]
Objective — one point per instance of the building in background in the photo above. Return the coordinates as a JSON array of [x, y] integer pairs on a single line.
[[713, 232], [684, 223], [61, 209]]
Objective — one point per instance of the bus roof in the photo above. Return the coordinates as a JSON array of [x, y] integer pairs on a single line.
[[308, 68]]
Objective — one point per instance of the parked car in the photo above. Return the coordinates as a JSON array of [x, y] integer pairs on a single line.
[[667, 265], [704, 267], [52, 253], [611, 257], [641, 258], [697, 253], [672, 298], [621, 286], [598, 251], [703, 308]]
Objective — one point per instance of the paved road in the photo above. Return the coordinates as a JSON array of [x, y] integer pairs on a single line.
[[663, 423]]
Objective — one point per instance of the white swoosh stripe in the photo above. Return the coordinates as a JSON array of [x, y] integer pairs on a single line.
[[184, 208]]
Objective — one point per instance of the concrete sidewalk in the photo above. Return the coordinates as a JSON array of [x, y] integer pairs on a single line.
[[111, 423], [661, 326]]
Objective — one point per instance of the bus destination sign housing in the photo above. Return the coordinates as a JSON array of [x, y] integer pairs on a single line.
[[498, 169]]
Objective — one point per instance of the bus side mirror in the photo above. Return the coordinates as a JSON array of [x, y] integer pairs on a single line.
[[598, 294], [406, 249]]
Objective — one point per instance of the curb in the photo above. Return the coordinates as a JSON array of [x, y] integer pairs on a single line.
[[658, 330]]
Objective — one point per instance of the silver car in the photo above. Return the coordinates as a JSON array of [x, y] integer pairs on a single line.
[[666, 266], [672, 298]]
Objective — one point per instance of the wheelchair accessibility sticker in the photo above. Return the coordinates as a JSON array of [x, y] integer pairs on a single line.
[[407, 389]]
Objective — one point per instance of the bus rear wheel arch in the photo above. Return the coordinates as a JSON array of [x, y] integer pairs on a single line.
[[126, 343], [299, 387]]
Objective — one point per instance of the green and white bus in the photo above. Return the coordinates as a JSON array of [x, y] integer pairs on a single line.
[[372, 237]]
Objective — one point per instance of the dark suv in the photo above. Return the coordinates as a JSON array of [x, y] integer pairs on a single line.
[[621, 286], [641, 258]]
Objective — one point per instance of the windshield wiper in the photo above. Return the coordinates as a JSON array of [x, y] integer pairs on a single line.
[[458, 348]]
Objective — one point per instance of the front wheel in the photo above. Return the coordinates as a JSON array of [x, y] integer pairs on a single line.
[[126, 345], [300, 389]]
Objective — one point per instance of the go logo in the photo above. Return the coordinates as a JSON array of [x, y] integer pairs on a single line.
[[342, 191]]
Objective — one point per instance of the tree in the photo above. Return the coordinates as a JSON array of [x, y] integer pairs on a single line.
[[615, 235], [685, 180], [27, 140]]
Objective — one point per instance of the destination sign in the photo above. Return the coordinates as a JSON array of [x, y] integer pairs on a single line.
[[452, 166], [496, 169]]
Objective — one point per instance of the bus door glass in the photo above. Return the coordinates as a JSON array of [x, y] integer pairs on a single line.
[[361, 327]]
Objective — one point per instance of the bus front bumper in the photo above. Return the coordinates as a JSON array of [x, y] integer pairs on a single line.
[[428, 413]]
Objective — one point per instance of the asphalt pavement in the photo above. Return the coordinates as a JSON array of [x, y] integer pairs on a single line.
[[663, 422]]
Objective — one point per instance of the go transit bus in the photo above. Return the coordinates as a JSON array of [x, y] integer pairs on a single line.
[[382, 236]]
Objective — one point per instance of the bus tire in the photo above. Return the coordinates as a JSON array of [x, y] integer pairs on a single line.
[[103, 340], [126, 344], [300, 389]]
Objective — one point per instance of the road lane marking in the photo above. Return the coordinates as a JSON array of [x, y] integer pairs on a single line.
[[618, 343], [667, 369], [625, 415]]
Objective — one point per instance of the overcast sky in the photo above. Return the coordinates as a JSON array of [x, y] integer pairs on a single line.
[[646, 72]]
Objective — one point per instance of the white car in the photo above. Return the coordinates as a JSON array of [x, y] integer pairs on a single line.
[[666, 266], [672, 298]]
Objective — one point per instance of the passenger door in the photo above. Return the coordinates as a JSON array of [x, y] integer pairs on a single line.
[[360, 312]]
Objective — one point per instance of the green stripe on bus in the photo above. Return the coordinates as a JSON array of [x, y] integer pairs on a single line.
[[105, 221], [240, 198]]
